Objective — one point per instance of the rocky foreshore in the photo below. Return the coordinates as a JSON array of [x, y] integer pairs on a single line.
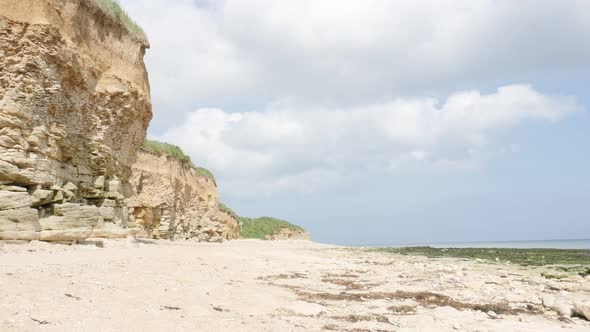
[[252, 285]]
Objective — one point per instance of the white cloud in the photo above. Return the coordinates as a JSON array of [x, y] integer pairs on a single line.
[[284, 148], [237, 54], [328, 90]]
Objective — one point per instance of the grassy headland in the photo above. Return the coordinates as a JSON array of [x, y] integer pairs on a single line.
[[175, 152], [259, 228]]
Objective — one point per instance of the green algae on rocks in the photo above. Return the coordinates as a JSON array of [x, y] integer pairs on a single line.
[[526, 257]]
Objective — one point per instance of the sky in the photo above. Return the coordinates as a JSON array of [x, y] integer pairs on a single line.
[[382, 122]]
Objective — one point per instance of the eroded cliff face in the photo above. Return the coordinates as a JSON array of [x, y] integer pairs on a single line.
[[172, 201], [74, 108], [288, 234]]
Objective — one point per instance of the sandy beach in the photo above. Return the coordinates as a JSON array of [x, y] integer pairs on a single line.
[[251, 285]]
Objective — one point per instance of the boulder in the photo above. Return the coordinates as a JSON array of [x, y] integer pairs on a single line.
[[66, 235], [67, 195], [71, 215], [583, 309], [14, 200], [71, 187], [99, 182], [548, 301], [19, 220], [59, 196], [15, 188], [559, 304], [41, 197], [20, 235], [565, 309], [108, 213], [9, 172]]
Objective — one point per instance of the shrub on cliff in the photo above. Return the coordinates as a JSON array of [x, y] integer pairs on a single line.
[[230, 212], [204, 172], [113, 9], [176, 153], [259, 228]]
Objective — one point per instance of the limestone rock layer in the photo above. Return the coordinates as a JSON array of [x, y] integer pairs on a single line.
[[171, 200], [74, 109]]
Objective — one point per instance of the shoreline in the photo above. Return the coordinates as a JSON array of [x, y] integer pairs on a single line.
[[517, 244]]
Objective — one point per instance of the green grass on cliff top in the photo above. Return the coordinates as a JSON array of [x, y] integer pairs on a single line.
[[526, 257], [258, 228], [226, 209], [175, 152], [113, 9]]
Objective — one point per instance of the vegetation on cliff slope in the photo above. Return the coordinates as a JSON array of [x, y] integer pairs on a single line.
[[259, 228], [230, 212], [113, 9], [175, 152]]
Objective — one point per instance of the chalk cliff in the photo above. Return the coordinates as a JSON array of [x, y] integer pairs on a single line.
[[74, 108]]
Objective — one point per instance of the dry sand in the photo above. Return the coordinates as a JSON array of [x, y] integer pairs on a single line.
[[250, 285]]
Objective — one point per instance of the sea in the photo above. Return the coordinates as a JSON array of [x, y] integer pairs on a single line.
[[556, 244]]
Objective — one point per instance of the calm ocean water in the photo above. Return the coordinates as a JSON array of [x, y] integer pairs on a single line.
[[558, 244]]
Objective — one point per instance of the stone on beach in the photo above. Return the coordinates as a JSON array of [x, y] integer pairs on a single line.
[[583, 309]]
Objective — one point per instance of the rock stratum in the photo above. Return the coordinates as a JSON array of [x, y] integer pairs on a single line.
[[74, 109], [172, 201]]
